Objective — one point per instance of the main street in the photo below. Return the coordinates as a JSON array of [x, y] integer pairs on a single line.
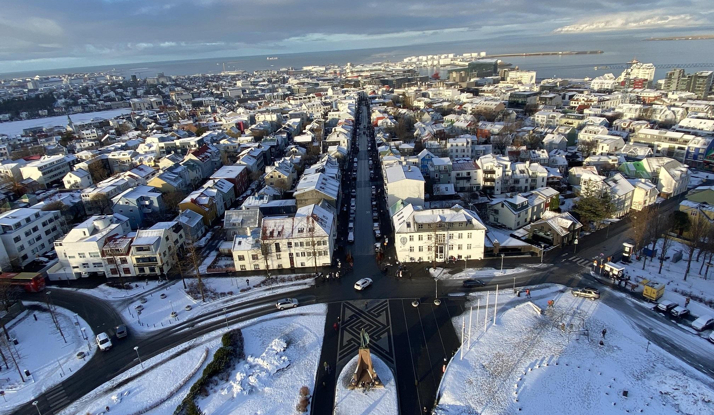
[[413, 341]]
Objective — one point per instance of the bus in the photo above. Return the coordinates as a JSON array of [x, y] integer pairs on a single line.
[[32, 282]]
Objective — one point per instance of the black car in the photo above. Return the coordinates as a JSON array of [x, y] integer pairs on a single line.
[[470, 283]]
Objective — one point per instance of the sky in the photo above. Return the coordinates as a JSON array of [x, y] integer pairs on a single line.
[[49, 34]]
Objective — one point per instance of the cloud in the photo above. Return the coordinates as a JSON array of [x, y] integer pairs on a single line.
[[630, 21]]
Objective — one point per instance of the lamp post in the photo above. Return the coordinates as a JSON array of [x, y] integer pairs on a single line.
[[34, 403], [502, 255], [136, 349], [225, 310], [575, 242], [436, 292]]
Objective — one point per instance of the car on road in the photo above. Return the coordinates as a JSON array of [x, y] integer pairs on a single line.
[[351, 237], [377, 234], [121, 331], [375, 225], [586, 292], [375, 215], [103, 342], [286, 303], [703, 323], [471, 282], [666, 306], [363, 283], [679, 312]]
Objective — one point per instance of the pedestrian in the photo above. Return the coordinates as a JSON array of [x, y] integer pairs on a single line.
[[35, 316], [247, 282], [604, 332], [528, 293], [334, 326], [324, 364], [686, 302], [551, 303]]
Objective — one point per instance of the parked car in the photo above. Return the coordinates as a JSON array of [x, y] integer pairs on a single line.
[[711, 337], [679, 312], [666, 306], [363, 283], [377, 234], [286, 303], [103, 342], [586, 292], [121, 331], [703, 323], [351, 237], [473, 283], [351, 226]]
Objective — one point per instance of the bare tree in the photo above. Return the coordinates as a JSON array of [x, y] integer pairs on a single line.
[[697, 234], [666, 227], [641, 224], [173, 199], [500, 142], [193, 259], [101, 204], [98, 171], [587, 147]]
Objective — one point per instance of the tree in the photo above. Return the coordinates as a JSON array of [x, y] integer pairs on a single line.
[[173, 199], [98, 171], [192, 258], [500, 142], [587, 147], [666, 226], [641, 223], [680, 222], [594, 208], [698, 231], [200, 131], [100, 203]]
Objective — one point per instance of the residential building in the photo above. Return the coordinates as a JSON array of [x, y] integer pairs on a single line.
[[192, 223], [404, 183], [645, 193], [138, 203], [466, 176], [517, 211], [282, 174], [238, 175], [27, 233], [79, 252], [554, 229], [48, 169], [77, 179], [423, 235]]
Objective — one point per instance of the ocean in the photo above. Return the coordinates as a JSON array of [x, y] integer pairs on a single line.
[[619, 48]]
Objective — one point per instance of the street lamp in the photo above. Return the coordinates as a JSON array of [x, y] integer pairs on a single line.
[[502, 255], [436, 292], [136, 349], [34, 403], [575, 242]]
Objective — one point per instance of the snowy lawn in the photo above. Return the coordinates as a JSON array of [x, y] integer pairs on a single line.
[[378, 401], [282, 353], [43, 352], [554, 363], [443, 274], [672, 276], [149, 306]]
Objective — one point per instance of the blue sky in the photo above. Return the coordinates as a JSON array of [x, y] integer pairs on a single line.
[[47, 34]]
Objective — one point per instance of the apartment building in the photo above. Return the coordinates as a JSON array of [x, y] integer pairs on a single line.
[[27, 233], [685, 148], [423, 235], [48, 169]]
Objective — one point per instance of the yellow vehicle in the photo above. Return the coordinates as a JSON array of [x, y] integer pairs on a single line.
[[652, 291]]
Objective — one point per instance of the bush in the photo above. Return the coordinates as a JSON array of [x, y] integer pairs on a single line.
[[302, 405], [304, 391], [193, 409]]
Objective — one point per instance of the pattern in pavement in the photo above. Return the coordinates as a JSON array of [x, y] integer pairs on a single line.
[[374, 318]]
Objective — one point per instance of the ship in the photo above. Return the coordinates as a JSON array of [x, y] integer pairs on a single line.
[[272, 58]]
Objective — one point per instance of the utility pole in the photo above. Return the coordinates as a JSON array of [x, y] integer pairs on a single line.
[[471, 315], [495, 306], [485, 318]]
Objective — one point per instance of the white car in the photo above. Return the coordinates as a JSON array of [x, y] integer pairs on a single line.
[[286, 303], [703, 323], [103, 342], [363, 283]]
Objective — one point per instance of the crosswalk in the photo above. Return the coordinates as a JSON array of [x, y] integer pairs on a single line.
[[583, 262], [57, 398]]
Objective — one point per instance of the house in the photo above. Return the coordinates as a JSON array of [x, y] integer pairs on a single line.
[[555, 142], [27, 233], [316, 187], [466, 176], [225, 188], [440, 170], [156, 250], [701, 194], [241, 222], [204, 203], [79, 252], [645, 193], [699, 210], [621, 193], [238, 175], [404, 183], [192, 223], [77, 179], [138, 203], [438, 235], [554, 229], [517, 211], [98, 198], [550, 196], [306, 240], [176, 178], [281, 174], [48, 169]]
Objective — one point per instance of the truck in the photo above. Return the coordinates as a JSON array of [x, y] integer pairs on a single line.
[[652, 291]]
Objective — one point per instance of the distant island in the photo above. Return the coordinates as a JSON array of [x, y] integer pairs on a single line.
[[694, 37]]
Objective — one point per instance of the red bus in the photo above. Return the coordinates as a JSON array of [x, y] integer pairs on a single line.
[[31, 282]]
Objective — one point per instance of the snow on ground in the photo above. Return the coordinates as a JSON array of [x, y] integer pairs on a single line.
[[203, 268], [443, 274], [14, 128], [155, 311], [282, 355], [301, 329], [379, 401], [554, 364], [672, 275], [42, 351], [698, 177]]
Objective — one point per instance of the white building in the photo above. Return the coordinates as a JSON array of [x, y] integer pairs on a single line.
[[79, 252], [26, 234], [404, 183], [77, 179], [48, 169], [645, 193], [286, 242], [423, 235]]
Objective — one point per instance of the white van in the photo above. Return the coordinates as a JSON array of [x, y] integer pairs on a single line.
[[703, 323], [103, 342]]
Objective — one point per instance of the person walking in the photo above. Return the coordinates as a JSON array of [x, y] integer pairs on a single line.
[[686, 302], [528, 293], [604, 332]]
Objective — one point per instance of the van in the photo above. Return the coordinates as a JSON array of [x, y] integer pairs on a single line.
[[703, 323], [103, 342]]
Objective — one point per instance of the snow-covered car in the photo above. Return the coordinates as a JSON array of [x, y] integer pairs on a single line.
[[103, 342], [286, 303], [470, 283], [703, 323], [586, 292], [363, 283], [679, 312], [666, 306]]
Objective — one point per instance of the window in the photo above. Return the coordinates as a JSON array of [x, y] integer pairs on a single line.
[[152, 269], [451, 247], [411, 238], [94, 255], [242, 267], [126, 271], [428, 237], [468, 246], [96, 264], [241, 258], [123, 260], [82, 255], [277, 247], [17, 238], [461, 235], [459, 247], [85, 265], [290, 245], [420, 226], [254, 257], [421, 249], [142, 270], [302, 264], [113, 271], [278, 256], [35, 229], [28, 232], [411, 249], [468, 235]]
